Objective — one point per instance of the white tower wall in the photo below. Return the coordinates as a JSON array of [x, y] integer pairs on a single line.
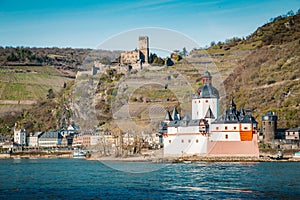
[[201, 105]]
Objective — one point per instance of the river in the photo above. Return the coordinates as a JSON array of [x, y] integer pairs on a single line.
[[82, 179]]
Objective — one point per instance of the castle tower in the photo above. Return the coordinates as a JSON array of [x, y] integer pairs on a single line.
[[269, 126], [144, 48], [206, 101]]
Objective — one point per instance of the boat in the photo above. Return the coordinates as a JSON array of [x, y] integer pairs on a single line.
[[79, 154], [297, 155], [187, 161]]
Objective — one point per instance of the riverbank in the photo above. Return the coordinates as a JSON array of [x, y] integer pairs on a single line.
[[160, 159], [37, 155]]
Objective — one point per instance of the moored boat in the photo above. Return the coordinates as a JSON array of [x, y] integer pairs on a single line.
[[297, 155], [79, 154]]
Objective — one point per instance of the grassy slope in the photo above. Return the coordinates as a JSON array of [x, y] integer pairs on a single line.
[[31, 85]]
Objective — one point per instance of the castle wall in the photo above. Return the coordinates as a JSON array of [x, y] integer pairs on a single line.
[[231, 132], [233, 148], [130, 57], [185, 144]]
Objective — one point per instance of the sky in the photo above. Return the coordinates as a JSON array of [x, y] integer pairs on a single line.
[[90, 23]]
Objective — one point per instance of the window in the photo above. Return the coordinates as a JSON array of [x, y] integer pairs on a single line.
[[182, 141], [197, 140], [226, 136], [245, 128], [217, 128], [189, 141], [234, 128], [226, 127], [199, 101], [169, 141]]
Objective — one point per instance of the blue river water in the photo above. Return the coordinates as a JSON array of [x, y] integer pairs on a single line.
[[82, 179]]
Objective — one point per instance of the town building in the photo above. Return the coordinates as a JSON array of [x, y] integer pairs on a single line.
[[50, 139], [86, 140], [73, 129], [292, 137], [20, 136], [77, 140], [33, 139], [138, 55], [205, 132]]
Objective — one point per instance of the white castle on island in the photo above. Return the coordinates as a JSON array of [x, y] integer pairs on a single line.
[[205, 133]]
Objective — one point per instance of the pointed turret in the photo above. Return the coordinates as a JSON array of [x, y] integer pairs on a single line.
[[168, 117], [175, 114], [209, 114], [242, 112], [232, 104]]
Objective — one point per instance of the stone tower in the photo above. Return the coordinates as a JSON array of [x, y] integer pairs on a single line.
[[144, 48], [269, 126]]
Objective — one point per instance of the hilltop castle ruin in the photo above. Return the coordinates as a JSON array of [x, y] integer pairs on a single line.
[[136, 56]]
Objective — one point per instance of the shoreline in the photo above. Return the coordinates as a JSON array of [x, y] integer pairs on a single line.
[[152, 159], [191, 159]]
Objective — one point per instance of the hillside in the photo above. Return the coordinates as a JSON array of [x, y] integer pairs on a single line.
[[265, 73], [23, 86], [261, 72]]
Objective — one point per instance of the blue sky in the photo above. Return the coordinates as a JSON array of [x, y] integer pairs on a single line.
[[74, 23]]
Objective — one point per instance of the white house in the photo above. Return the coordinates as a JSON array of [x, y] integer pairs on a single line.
[[20, 136]]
